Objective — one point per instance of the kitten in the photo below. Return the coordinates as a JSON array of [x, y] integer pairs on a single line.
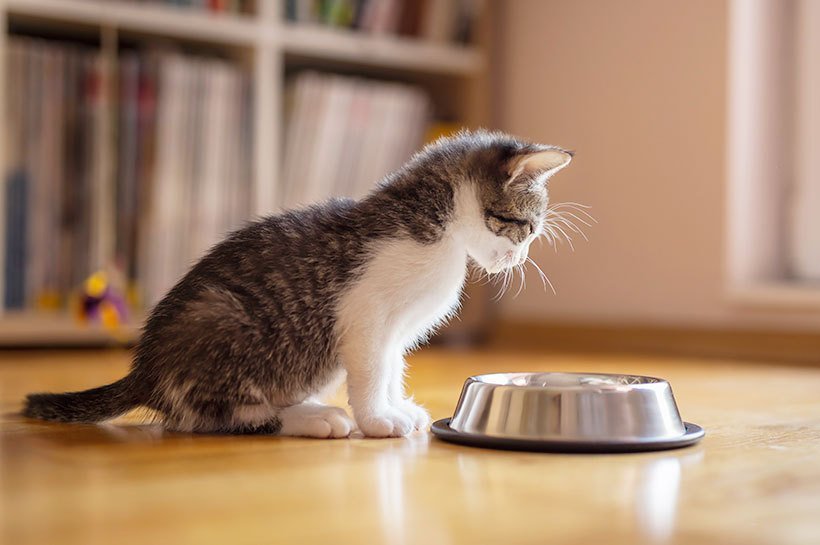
[[279, 312]]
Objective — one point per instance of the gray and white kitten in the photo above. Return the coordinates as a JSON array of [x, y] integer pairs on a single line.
[[278, 313]]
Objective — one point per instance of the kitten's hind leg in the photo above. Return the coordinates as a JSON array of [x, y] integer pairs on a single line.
[[311, 419], [255, 419], [306, 419]]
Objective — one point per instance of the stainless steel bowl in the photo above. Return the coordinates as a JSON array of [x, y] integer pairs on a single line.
[[568, 411]]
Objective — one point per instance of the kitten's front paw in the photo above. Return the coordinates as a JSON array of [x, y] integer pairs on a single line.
[[417, 414], [388, 423]]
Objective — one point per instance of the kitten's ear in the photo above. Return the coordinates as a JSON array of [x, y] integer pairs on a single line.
[[537, 167]]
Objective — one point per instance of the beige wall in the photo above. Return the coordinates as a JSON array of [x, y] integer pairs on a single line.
[[637, 88]]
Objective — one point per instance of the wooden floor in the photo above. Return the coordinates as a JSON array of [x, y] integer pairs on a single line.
[[754, 479]]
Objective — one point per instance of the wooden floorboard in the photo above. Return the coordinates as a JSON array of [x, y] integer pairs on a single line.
[[755, 478]]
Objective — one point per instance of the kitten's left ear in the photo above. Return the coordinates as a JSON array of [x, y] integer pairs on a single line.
[[539, 166]]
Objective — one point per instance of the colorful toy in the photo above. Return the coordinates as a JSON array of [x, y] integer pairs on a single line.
[[101, 303]]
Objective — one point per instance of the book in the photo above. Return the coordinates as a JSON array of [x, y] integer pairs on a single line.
[[431, 20], [215, 6], [14, 295], [344, 134], [201, 186]]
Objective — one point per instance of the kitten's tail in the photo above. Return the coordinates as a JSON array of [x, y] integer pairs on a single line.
[[93, 405]]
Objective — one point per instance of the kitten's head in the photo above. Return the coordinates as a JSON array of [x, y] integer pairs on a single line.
[[504, 196]]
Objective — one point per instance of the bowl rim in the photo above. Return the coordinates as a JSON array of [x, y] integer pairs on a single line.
[[651, 382]]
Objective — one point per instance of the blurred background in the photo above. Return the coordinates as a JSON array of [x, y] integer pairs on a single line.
[[136, 133]]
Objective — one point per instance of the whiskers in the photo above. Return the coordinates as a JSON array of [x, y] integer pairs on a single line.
[[563, 221], [544, 278], [504, 278]]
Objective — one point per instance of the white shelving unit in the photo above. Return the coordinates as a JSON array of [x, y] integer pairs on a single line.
[[267, 45]]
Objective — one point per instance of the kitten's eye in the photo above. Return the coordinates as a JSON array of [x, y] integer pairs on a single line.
[[507, 219]]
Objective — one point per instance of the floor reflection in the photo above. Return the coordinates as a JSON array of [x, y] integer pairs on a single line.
[[656, 492], [396, 466], [634, 492]]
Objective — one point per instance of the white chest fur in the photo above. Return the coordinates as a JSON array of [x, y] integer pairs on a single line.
[[406, 289]]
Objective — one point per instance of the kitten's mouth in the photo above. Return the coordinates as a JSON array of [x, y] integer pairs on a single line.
[[503, 263]]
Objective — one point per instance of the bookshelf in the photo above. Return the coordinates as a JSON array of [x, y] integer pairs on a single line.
[[268, 47]]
